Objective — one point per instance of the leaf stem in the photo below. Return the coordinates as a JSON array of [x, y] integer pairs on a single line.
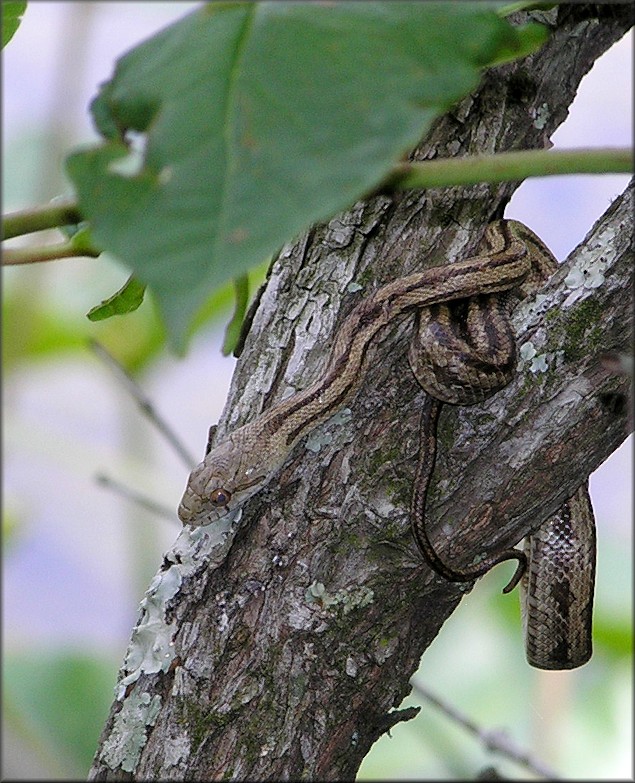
[[509, 166]]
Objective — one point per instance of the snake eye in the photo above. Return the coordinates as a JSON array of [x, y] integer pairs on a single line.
[[220, 497]]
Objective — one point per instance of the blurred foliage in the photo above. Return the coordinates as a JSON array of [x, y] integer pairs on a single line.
[[37, 325], [10, 527], [63, 698]]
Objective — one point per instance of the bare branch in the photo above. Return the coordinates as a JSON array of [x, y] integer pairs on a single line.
[[146, 406], [136, 497], [495, 740]]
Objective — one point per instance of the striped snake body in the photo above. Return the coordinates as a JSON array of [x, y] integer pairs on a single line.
[[461, 354]]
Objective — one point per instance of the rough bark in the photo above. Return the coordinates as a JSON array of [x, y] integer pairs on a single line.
[[290, 637]]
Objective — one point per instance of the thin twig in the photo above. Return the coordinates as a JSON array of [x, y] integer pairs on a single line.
[[136, 497], [57, 252], [501, 167], [42, 218], [144, 402], [511, 166], [494, 740]]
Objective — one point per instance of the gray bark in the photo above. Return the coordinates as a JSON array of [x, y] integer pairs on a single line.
[[290, 637]]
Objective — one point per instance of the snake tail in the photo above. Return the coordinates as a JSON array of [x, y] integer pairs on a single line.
[[425, 470], [558, 587]]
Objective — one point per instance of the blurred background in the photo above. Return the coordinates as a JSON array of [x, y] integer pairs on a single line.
[[78, 557]]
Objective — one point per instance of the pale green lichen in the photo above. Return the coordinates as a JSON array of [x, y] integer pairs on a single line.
[[151, 648], [317, 440], [323, 437], [346, 599], [586, 275], [128, 736], [538, 363], [541, 116], [527, 351]]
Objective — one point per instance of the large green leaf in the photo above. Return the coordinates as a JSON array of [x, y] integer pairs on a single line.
[[260, 119]]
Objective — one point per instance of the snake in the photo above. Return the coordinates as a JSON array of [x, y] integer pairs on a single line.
[[463, 350]]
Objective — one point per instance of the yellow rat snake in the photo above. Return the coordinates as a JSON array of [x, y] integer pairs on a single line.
[[463, 351]]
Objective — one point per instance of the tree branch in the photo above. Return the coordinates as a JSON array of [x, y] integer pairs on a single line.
[[28, 221], [528, 448], [510, 166], [36, 255], [276, 647]]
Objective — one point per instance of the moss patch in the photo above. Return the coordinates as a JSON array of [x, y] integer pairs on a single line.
[[581, 334], [201, 723]]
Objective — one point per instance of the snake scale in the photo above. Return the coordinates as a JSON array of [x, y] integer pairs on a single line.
[[463, 350]]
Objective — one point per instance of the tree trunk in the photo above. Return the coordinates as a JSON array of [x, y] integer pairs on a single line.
[[276, 647]]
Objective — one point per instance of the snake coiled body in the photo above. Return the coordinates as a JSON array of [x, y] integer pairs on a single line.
[[508, 260]]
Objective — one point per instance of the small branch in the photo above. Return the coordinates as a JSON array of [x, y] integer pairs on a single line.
[[394, 717], [469, 170], [511, 166], [494, 740], [35, 255], [136, 497], [144, 402], [28, 221]]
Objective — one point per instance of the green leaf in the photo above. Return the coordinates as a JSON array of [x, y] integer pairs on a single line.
[[12, 14], [82, 240], [533, 36], [260, 119], [234, 326], [127, 299], [506, 9]]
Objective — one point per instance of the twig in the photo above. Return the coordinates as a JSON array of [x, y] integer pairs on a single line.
[[511, 166], [494, 740], [36, 255], [136, 497], [144, 402], [501, 167], [28, 221]]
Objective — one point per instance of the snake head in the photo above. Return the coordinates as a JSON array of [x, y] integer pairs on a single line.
[[221, 483]]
